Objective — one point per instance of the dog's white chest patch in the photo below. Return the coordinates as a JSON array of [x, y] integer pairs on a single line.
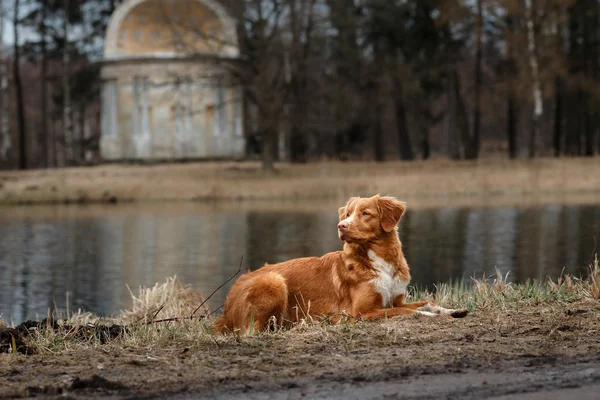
[[386, 284]]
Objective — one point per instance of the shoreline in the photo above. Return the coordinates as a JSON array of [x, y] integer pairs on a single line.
[[429, 182], [537, 337], [515, 335]]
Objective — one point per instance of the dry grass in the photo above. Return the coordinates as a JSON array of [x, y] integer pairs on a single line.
[[163, 301], [324, 180], [158, 315], [174, 302], [499, 292], [594, 277]]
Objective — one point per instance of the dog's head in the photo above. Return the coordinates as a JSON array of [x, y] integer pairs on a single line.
[[369, 219]]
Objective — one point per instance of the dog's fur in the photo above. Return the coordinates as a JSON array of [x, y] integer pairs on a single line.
[[367, 279]]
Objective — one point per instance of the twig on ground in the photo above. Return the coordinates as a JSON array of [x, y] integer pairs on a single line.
[[178, 319], [173, 319], [214, 340], [215, 310], [159, 309], [217, 289], [154, 316]]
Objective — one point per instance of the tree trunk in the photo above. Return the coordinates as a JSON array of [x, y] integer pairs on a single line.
[[426, 148], [581, 114], [557, 117], [538, 109], [511, 126], [595, 77], [574, 122], [460, 140], [82, 120], [472, 151], [5, 139], [590, 59], [511, 101], [451, 121], [269, 149], [378, 142], [19, 90], [405, 151], [67, 117], [559, 87], [588, 151], [462, 119], [44, 139], [52, 156]]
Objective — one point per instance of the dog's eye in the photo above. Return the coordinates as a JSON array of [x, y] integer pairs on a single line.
[[365, 213]]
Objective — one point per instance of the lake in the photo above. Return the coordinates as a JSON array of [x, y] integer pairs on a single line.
[[93, 252]]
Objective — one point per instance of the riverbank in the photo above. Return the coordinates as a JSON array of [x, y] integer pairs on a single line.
[[427, 181], [517, 338]]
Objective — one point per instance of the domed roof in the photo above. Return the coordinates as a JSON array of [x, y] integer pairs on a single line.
[[170, 28]]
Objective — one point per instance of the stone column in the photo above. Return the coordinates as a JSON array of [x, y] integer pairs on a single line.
[[142, 142], [109, 123]]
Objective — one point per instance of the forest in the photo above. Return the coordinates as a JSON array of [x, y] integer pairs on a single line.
[[345, 79]]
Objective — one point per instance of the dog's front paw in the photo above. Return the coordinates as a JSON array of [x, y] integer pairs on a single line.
[[459, 313]]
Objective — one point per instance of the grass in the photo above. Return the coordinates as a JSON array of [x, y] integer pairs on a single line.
[[160, 315], [498, 292], [434, 180]]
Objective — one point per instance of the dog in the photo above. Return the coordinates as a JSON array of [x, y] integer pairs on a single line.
[[368, 279]]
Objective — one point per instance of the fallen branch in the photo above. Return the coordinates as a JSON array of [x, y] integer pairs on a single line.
[[215, 310], [179, 319], [173, 319], [155, 314], [217, 289]]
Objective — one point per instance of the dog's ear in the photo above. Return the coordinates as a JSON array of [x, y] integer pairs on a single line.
[[391, 210], [343, 210]]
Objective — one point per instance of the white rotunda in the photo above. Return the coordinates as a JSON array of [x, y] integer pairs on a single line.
[[168, 89]]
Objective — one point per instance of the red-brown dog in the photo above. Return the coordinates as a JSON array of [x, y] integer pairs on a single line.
[[367, 279]]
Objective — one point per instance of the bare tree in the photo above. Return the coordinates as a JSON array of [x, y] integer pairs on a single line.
[[404, 142], [451, 125], [4, 126], [263, 75], [510, 72], [536, 87], [378, 139], [43, 136], [19, 89], [473, 150], [66, 61], [561, 18], [301, 24]]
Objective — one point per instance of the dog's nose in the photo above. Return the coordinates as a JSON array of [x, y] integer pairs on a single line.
[[342, 226]]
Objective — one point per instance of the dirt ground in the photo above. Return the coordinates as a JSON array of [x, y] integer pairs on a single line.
[[528, 351]]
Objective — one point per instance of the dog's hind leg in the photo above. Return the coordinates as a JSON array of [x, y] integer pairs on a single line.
[[267, 297], [427, 308], [386, 313]]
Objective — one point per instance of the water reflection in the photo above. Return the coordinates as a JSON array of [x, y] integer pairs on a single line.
[[94, 252]]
